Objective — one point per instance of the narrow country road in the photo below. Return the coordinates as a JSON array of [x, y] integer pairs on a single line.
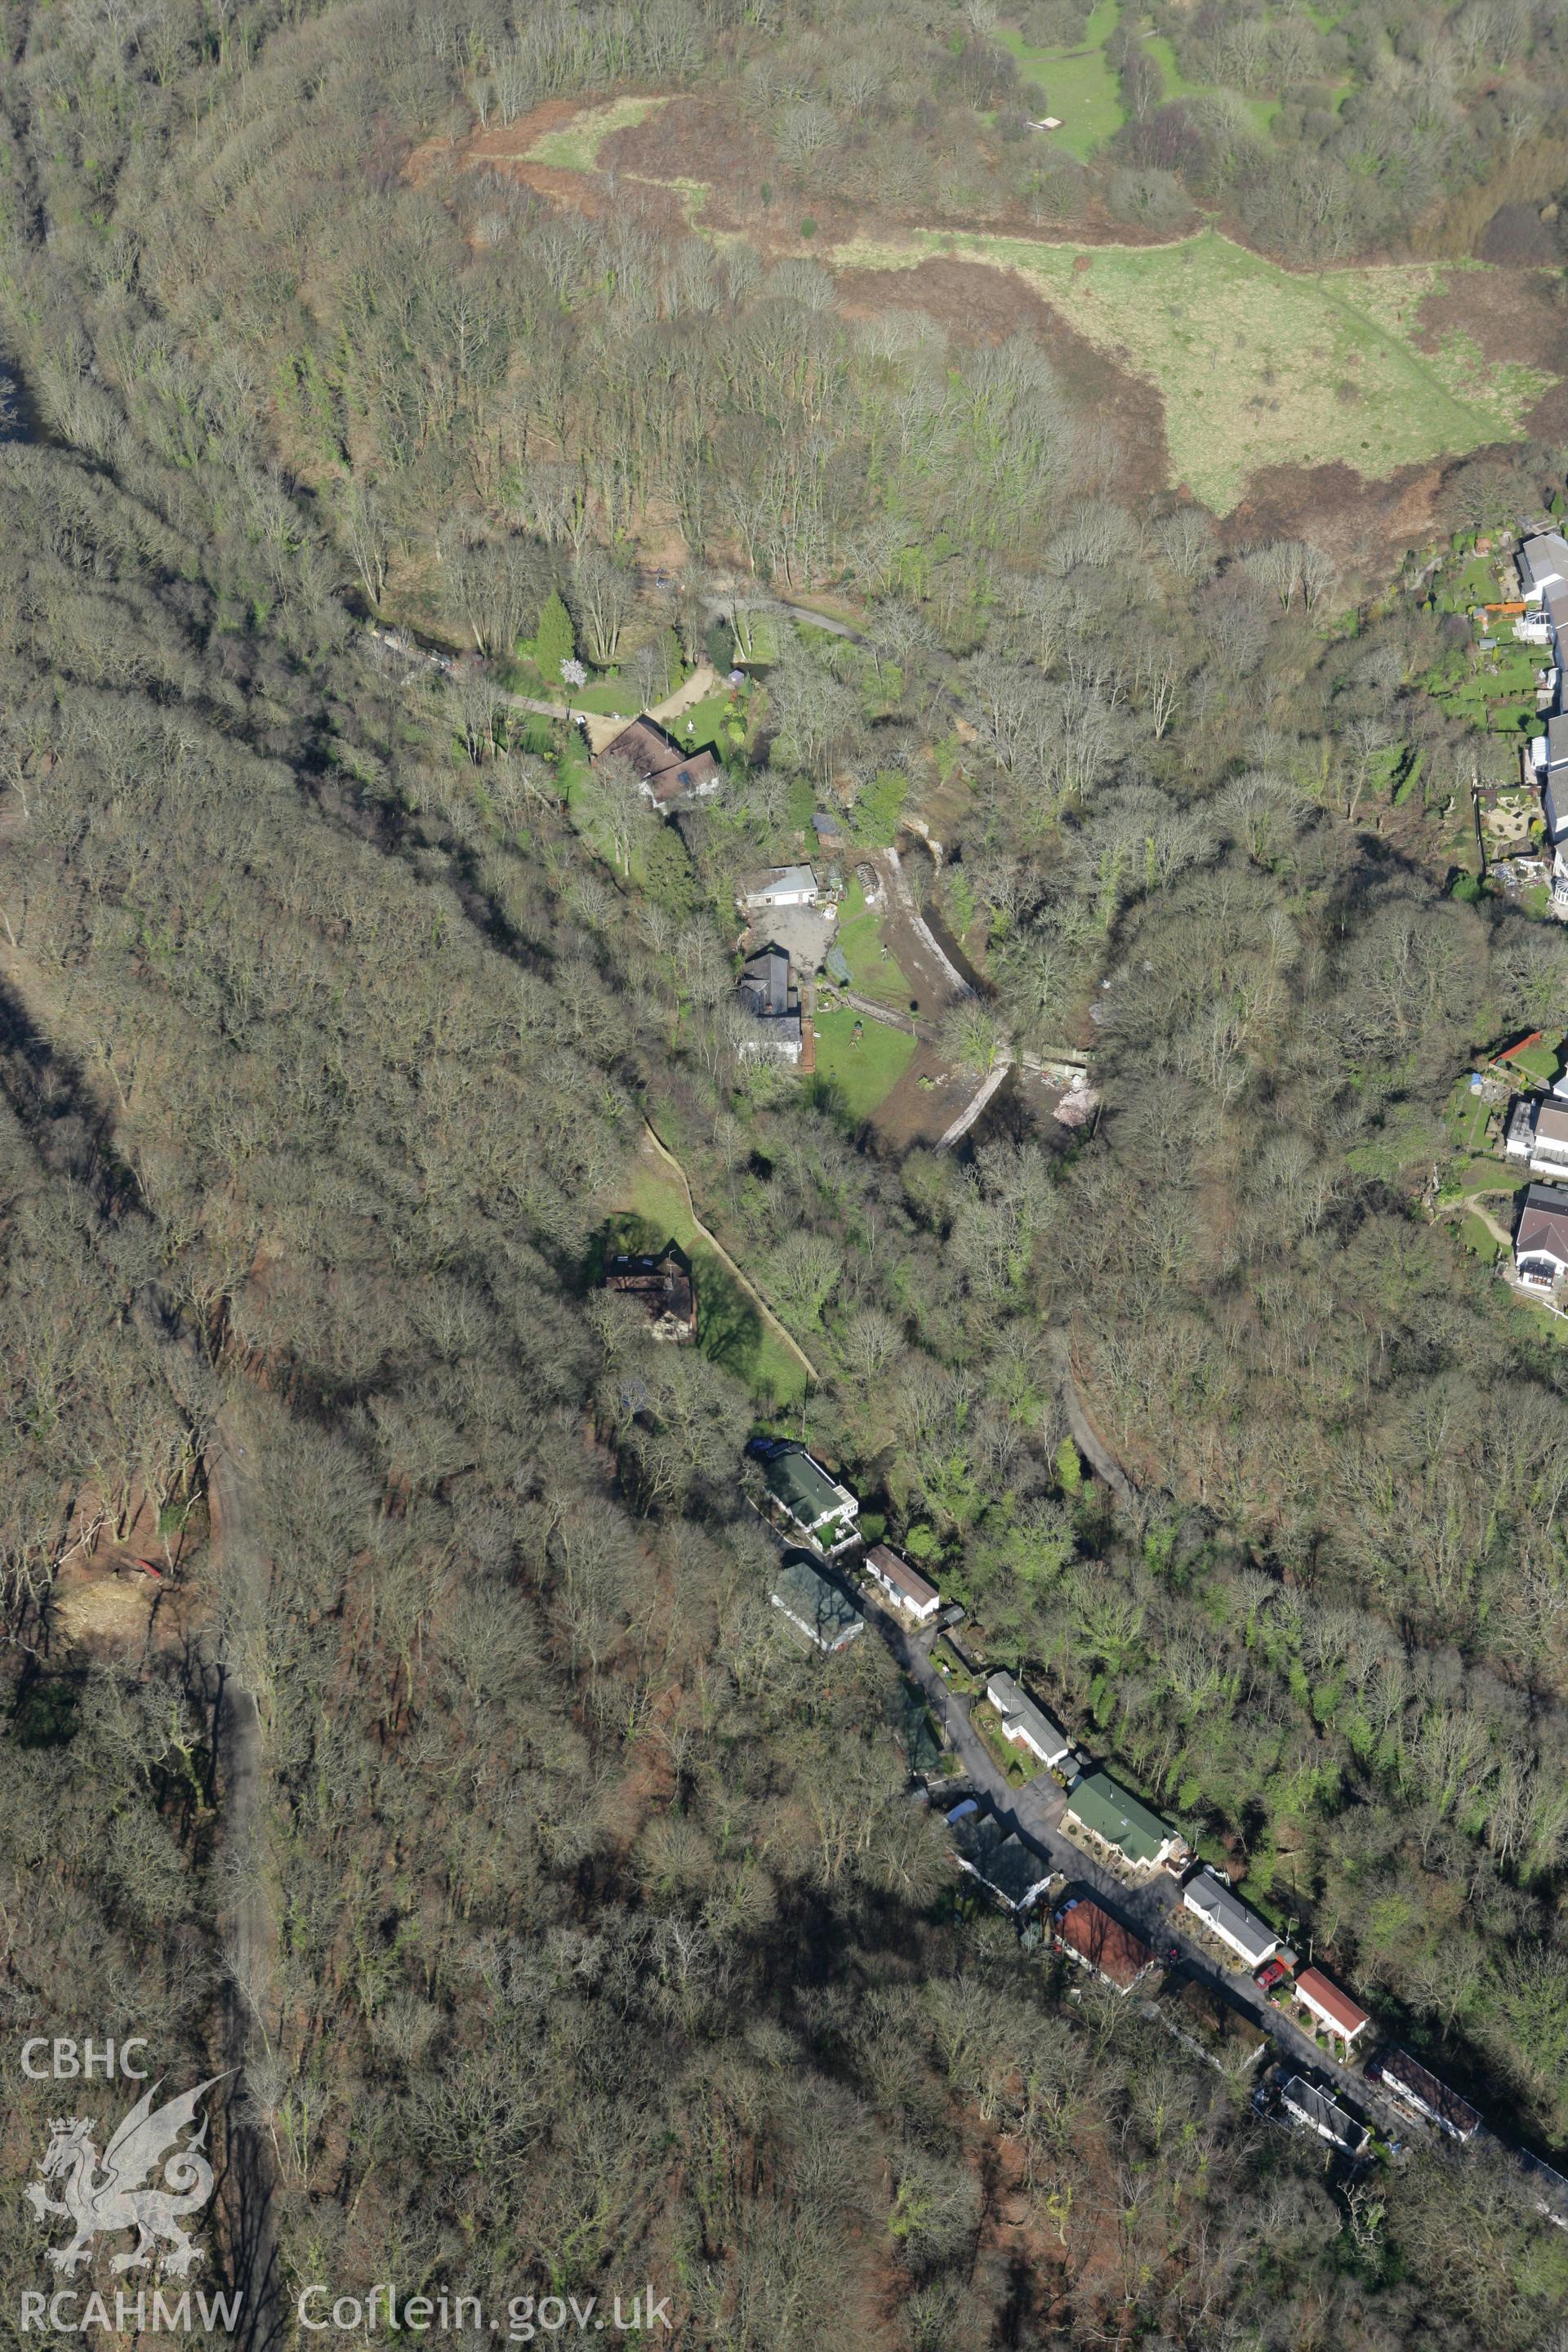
[[1154, 1909], [1085, 1435], [240, 1573]]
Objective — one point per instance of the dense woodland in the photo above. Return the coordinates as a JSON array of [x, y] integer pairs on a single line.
[[608, 1946]]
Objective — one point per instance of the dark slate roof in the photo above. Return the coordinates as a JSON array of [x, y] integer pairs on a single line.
[[1329, 2119], [663, 1283], [659, 763], [999, 1855], [1404, 2075], [1214, 1899], [764, 983], [1012, 1702], [813, 1600], [1556, 820]]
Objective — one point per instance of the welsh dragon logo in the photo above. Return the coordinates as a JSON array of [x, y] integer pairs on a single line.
[[98, 2196]]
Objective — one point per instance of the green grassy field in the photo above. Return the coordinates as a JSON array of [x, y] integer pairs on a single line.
[[1259, 365], [574, 147], [651, 1210], [859, 935], [1502, 700], [1078, 81], [706, 718], [853, 1080], [756, 637], [1475, 584]]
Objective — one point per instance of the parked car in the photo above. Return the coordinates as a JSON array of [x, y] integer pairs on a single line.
[[1271, 1973]]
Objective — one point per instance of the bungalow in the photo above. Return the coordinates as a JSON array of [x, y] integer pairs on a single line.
[[817, 1609], [1007, 1868], [772, 1002], [662, 1286], [1093, 1939], [779, 886], [1335, 2009], [1410, 2086], [669, 774], [903, 1586], [1119, 1821], [1541, 1238], [813, 1502], [1542, 563], [1316, 2111], [1025, 1724], [1211, 1898]]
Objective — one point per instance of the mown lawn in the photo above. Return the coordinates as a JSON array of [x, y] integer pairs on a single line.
[[1259, 365], [707, 719], [1477, 584], [1078, 81], [1480, 1238], [1502, 700], [852, 1079], [652, 1210], [1540, 1063], [871, 972]]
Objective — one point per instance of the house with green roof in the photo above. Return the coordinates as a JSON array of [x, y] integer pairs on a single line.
[[828, 1618], [1107, 1812], [808, 1499]]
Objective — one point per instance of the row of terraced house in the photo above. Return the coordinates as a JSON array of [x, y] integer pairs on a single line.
[[818, 1515]]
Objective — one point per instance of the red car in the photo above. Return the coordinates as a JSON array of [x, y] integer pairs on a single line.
[[1271, 1973]]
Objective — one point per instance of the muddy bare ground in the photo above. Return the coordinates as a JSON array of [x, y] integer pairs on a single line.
[[924, 1105]]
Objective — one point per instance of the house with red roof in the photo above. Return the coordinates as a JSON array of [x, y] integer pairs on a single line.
[[1334, 2011]]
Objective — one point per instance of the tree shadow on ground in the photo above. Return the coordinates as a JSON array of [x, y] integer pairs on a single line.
[[729, 1331]]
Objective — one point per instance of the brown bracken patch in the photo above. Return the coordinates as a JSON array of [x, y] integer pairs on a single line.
[[1512, 314], [1359, 523]]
